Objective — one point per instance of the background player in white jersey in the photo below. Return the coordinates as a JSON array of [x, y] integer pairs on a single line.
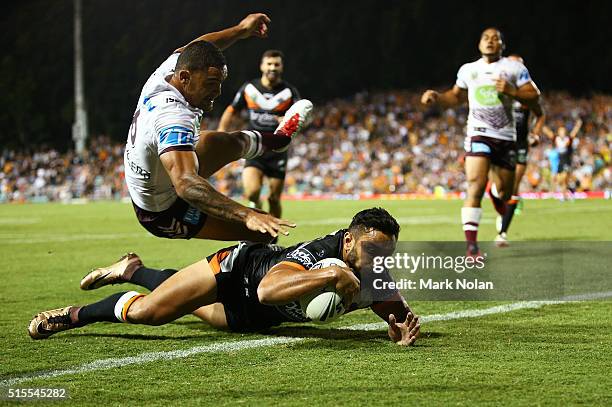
[[167, 158], [267, 99], [563, 143], [524, 139], [490, 85]]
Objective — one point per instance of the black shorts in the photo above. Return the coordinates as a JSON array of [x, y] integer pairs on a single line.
[[501, 152], [179, 221], [237, 289], [565, 162], [522, 147], [272, 164]]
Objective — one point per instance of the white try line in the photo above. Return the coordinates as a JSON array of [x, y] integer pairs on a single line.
[[232, 346]]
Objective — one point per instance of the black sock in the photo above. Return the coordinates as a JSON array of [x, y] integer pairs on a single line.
[[507, 218], [100, 311], [151, 278]]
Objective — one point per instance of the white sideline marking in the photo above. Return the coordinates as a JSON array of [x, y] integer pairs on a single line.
[[20, 238], [232, 346], [403, 220]]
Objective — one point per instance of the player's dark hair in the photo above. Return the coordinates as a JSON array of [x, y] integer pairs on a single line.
[[375, 218], [199, 56], [273, 53], [501, 34]]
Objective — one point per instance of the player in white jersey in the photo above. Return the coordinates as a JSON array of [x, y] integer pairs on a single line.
[[490, 85], [168, 159]]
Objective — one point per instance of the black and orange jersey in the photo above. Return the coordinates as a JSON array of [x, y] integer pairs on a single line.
[[240, 269], [265, 105]]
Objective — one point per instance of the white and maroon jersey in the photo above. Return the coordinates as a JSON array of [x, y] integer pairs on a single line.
[[163, 121], [491, 113], [563, 143]]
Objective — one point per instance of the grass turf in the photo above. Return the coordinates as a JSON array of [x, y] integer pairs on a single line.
[[558, 354]]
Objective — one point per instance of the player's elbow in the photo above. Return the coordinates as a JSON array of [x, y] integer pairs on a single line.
[[183, 185], [265, 294]]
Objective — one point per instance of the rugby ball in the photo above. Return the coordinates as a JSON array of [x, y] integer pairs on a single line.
[[323, 305]]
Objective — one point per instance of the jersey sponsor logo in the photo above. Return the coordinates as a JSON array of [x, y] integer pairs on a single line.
[[137, 169], [487, 95], [524, 75], [263, 118], [303, 256]]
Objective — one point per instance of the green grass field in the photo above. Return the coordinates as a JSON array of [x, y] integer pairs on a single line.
[[550, 355]]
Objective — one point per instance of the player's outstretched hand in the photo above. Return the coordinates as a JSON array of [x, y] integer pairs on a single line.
[[260, 221], [429, 97], [255, 25], [404, 333], [347, 284]]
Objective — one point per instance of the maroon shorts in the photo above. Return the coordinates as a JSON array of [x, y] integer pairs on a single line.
[[501, 152], [179, 221]]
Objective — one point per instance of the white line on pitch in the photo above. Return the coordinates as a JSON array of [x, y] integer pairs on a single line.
[[105, 364]]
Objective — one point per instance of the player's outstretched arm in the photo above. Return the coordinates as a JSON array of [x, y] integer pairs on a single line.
[[253, 25], [287, 282], [576, 128], [396, 309], [450, 98], [182, 169]]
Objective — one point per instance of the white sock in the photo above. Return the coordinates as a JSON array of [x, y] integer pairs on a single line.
[[124, 302], [470, 218], [255, 148]]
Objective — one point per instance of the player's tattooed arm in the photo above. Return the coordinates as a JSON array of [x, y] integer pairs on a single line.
[[198, 192], [253, 25], [288, 281]]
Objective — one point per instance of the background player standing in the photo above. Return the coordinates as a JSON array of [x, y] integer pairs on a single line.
[[563, 144], [491, 84], [524, 139], [267, 99]]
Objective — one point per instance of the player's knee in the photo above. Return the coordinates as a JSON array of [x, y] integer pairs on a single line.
[[140, 312]]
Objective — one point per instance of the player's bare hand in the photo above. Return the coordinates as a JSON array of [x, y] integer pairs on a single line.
[[533, 139], [347, 284], [429, 97], [254, 25], [404, 333], [259, 221], [505, 87]]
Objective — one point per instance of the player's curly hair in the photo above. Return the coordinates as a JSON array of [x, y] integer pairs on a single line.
[[375, 218], [199, 56]]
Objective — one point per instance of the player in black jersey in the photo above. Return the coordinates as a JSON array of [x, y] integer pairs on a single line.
[[563, 142], [267, 99], [524, 139], [251, 286]]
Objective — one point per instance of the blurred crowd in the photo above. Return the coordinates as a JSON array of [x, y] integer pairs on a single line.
[[371, 143]]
